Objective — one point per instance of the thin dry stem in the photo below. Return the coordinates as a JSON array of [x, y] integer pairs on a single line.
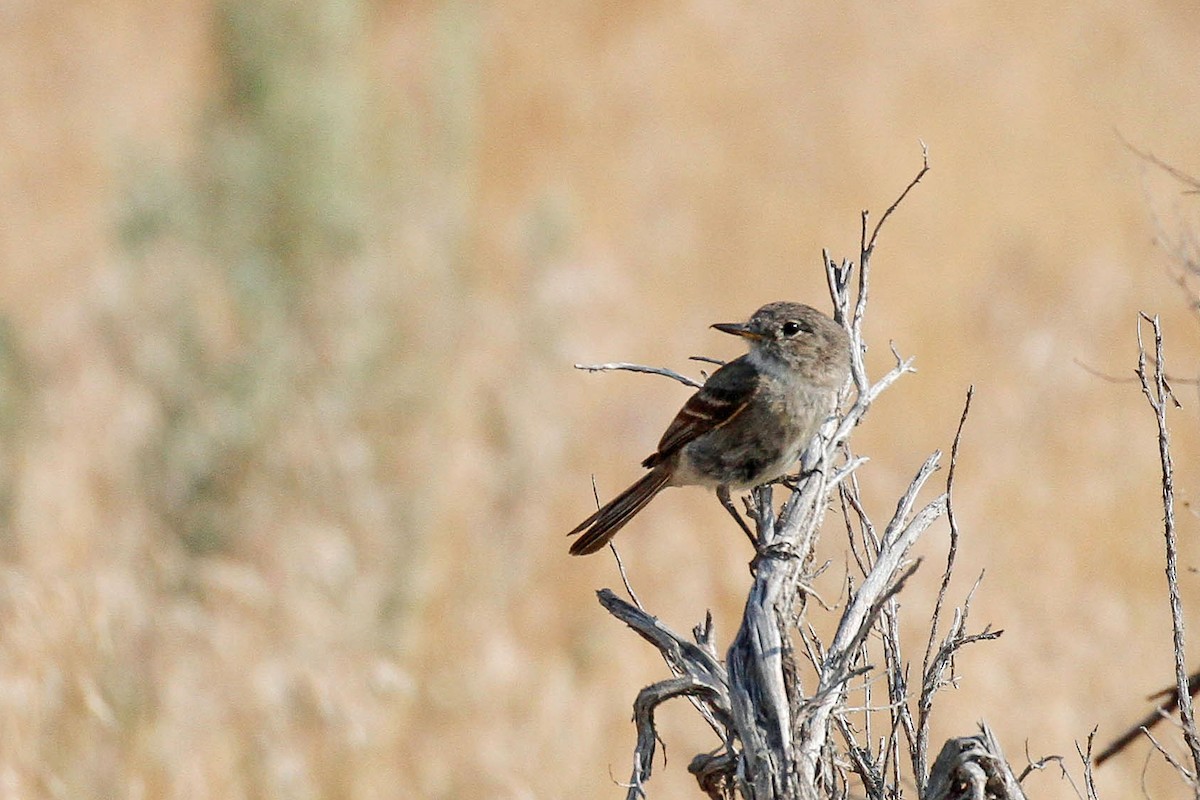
[[1157, 393], [624, 366]]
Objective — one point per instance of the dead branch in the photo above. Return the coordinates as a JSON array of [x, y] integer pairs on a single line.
[[627, 367], [1157, 393], [648, 700]]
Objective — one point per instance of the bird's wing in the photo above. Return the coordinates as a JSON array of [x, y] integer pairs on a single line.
[[725, 395]]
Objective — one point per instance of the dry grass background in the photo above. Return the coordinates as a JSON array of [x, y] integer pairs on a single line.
[[290, 298]]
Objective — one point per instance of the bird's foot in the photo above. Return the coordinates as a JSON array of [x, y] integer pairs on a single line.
[[790, 482], [793, 482]]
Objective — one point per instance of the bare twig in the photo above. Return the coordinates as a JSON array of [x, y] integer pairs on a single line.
[[616, 554], [627, 367], [899, 536], [953, 549], [1187, 180], [625, 577], [1188, 775], [1038, 765], [648, 700], [931, 677], [1089, 783], [866, 249], [1181, 244], [868, 245], [1155, 388], [684, 658]]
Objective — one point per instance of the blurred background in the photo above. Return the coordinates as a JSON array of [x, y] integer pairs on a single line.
[[290, 295]]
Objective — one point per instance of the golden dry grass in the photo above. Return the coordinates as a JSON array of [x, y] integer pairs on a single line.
[[291, 294]]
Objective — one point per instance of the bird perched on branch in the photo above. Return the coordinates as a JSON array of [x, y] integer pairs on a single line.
[[750, 421]]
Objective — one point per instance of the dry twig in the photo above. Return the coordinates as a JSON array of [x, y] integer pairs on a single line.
[[1157, 393], [627, 367]]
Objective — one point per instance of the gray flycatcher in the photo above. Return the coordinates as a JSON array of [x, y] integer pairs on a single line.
[[750, 421]]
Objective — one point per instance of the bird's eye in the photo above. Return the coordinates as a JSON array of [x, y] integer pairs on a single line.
[[791, 327]]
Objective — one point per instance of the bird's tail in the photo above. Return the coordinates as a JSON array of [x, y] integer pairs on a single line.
[[604, 524]]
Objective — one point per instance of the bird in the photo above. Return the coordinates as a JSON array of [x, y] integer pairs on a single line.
[[749, 422]]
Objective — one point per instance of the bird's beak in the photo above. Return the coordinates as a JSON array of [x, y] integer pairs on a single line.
[[738, 329]]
